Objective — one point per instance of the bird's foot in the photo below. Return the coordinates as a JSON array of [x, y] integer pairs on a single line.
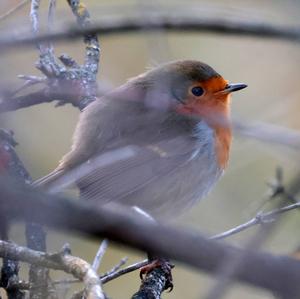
[[164, 265]]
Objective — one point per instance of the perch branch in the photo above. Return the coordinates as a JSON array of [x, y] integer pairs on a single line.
[[152, 285]]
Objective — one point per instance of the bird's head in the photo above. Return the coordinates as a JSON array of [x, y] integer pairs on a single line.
[[189, 87]]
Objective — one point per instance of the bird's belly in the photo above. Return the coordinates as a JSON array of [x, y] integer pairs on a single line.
[[184, 186]]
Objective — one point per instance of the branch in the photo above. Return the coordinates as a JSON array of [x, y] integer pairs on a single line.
[[13, 10], [92, 55], [268, 133], [9, 277], [260, 218], [100, 253], [35, 235], [79, 268], [259, 269], [113, 274], [9, 163], [180, 23], [277, 189], [152, 286], [61, 93]]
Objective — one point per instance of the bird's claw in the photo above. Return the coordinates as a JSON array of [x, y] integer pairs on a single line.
[[163, 264]]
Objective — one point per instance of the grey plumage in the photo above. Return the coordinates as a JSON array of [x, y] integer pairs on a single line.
[[174, 162]]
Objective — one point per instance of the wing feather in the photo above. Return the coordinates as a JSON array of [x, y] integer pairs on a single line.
[[119, 181]]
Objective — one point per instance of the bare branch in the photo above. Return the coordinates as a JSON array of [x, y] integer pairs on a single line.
[[51, 14], [46, 95], [35, 235], [260, 269], [59, 261], [180, 23], [260, 218], [92, 56], [268, 133], [83, 271], [265, 217]]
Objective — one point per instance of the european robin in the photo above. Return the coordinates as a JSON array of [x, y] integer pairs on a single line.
[[175, 118]]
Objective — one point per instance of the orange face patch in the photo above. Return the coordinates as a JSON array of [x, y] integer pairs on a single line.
[[214, 84], [212, 95], [212, 101]]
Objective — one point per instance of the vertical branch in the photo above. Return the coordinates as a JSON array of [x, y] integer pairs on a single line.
[[34, 18], [9, 164], [51, 13], [9, 277], [92, 54], [35, 234]]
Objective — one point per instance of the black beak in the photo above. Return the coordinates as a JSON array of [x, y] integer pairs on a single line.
[[234, 87]]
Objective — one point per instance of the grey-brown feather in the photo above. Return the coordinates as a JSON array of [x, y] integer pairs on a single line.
[[175, 164]]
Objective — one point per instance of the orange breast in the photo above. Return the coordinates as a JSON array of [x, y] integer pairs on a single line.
[[216, 114], [222, 144]]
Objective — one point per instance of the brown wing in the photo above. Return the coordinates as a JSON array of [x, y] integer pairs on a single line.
[[119, 181]]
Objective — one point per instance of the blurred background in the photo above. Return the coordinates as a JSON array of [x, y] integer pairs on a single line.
[[270, 67]]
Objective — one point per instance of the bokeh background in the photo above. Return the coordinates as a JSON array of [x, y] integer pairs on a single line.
[[270, 67]]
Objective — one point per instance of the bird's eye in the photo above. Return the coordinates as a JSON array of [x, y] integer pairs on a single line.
[[197, 91]]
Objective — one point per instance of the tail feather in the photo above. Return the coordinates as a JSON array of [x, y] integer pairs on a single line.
[[48, 181]]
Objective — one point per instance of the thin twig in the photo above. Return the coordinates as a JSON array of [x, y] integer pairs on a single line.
[[34, 18], [122, 262], [51, 15], [260, 218], [13, 10], [99, 255], [277, 189], [113, 275]]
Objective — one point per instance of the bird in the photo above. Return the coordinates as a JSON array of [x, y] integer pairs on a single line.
[[172, 124]]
